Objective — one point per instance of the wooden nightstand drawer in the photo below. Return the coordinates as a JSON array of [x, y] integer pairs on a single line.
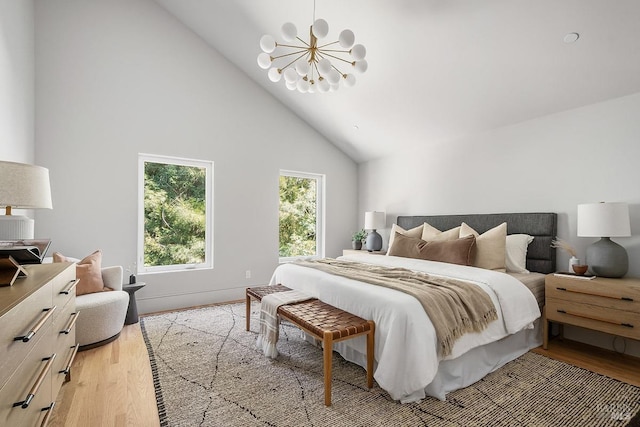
[[606, 305], [616, 322]]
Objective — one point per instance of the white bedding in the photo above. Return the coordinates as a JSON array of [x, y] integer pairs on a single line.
[[405, 347]]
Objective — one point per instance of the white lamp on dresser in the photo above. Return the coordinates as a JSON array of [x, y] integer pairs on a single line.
[[605, 257], [22, 186]]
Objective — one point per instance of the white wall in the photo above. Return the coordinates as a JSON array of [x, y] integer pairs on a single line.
[[123, 77], [16, 81], [550, 164]]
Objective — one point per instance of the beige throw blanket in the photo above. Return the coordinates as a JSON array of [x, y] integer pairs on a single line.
[[455, 307], [270, 321]]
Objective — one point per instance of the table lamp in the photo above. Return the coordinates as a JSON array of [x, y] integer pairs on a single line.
[[374, 221], [605, 220], [22, 186]]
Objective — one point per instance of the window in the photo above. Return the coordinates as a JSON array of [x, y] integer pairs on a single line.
[[175, 214], [301, 216]]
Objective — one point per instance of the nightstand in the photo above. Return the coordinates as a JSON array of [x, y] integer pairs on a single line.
[[602, 304], [361, 251]]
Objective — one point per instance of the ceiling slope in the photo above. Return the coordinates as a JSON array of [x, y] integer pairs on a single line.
[[438, 70]]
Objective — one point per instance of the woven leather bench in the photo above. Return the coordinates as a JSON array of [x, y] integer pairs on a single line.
[[324, 322]]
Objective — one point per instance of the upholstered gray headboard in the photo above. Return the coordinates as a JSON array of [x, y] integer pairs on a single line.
[[541, 257]]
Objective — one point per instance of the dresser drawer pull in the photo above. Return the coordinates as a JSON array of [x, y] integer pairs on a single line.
[[67, 369], [49, 410], [72, 322], [47, 314], [36, 386], [628, 325], [68, 289], [594, 294]]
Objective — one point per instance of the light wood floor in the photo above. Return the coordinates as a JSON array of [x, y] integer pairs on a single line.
[[112, 385]]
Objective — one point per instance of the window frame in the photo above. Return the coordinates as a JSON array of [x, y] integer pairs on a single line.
[[208, 165], [320, 213]]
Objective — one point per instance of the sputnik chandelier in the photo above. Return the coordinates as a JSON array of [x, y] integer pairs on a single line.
[[312, 66]]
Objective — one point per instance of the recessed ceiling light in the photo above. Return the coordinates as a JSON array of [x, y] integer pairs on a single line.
[[571, 37]]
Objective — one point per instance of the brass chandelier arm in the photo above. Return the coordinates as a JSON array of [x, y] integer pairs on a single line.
[[289, 54], [324, 53], [329, 44], [303, 52]]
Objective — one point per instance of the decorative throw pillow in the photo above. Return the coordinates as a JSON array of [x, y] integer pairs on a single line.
[[490, 246], [432, 234], [516, 252], [458, 251], [88, 272], [414, 232]]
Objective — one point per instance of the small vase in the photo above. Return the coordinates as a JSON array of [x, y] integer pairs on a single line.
[[356, 244]]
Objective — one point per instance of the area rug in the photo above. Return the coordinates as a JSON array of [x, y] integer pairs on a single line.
[[207, 372]]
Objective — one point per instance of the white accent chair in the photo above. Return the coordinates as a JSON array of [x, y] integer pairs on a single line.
[[102, 314]]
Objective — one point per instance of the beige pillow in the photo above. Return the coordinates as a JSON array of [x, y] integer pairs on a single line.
[[432, 234], [516, 252], [88, 272], [490, 246], [458, 251], [414, 232]]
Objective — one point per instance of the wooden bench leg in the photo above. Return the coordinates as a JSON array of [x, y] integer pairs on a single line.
[[328, 354], [248, 312], [370, 353]]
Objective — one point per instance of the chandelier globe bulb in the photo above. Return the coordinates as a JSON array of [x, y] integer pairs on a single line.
[[324, 86], [267, 43], [334, 77], [274, 75], [320, 28], [290, 75], [346, 39], [358, 52], [302, 67], [324, 66], [350, 80], [264, 60], [289, 31], [361, 66]]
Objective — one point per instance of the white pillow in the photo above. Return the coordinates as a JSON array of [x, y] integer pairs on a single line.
[[432, 234], [490, 252], [395, 228], [516, 252]]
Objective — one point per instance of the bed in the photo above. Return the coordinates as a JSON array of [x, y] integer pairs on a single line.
[[408, 366]]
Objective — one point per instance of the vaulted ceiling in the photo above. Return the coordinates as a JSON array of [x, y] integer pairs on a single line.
[[438, 69]]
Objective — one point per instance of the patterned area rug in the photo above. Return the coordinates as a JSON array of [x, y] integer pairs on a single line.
[[207, 372]]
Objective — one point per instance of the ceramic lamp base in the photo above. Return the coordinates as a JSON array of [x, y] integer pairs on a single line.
[[374, 241], [607, 258]]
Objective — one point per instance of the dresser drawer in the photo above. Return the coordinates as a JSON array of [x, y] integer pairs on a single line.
[[606, 298], [616, 322], [32, 371], [20, 321]]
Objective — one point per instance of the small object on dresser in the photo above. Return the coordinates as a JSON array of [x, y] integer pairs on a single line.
[[10, 270], [573, 275], [580, 269]]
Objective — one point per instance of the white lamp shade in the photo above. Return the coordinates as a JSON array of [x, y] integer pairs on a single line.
[[603, 220], [24, 186], [374, 220]]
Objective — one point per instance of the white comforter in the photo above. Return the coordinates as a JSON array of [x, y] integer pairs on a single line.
[[405, 346]]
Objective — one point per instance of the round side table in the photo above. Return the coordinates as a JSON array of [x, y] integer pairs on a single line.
[[132, 310]]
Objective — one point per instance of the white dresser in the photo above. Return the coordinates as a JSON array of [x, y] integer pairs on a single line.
[[37, 342]]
